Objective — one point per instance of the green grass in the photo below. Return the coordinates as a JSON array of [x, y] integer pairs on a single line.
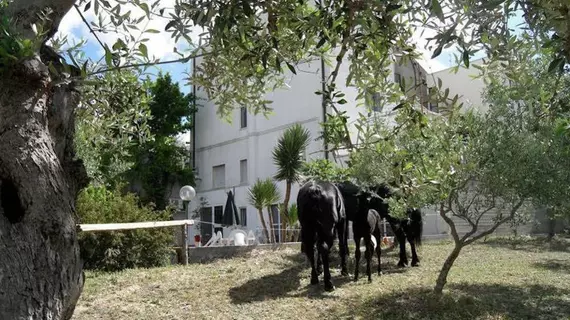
[[498, 279]]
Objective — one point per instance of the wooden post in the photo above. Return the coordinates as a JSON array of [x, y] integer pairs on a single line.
[[185, 244]]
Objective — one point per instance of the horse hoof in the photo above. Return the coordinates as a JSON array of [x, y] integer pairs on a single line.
[[314, 281], [369, 280], [329, 287], [355, 279], [344, 273], [379, 273]]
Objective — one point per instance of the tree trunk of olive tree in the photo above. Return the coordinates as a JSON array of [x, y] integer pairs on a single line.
[[40, 268], [442, 277]]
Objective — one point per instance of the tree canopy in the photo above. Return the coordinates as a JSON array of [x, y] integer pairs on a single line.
[[251, 47]]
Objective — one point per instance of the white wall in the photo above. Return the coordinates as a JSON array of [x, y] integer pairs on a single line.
[[462, 83], [218, 142]]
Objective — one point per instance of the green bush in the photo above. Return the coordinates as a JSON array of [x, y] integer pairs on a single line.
[[325, 170], [117, 250]]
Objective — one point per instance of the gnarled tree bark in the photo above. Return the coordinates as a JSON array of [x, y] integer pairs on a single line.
[[40, 269]]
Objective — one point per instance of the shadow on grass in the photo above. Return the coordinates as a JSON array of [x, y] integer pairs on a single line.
[[559, 244], [466, 301], [209, 255], [287, 283], [556, 265]]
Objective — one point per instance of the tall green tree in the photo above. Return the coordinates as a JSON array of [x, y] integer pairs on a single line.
[[161, 162], [288, 157], [113, 119]]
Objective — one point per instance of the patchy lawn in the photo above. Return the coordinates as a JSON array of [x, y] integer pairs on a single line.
[[498, 279]]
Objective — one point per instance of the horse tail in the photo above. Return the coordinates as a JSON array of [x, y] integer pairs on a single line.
[[416, 225], [309, 205], [316, 195]]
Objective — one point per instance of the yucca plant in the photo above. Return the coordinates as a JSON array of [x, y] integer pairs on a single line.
[[292, 222], [263, 194], [287, 156]]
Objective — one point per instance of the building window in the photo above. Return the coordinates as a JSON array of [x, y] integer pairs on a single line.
[[243, 117], [376, 102], [398, 80], [219, 176], [243, 216], [218, 214], [433, 106], [243, 171]]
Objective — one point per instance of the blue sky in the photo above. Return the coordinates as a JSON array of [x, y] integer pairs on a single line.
[[161, 45]]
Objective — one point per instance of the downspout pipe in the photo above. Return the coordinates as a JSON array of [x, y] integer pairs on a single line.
[[324, 105], [194, 116]]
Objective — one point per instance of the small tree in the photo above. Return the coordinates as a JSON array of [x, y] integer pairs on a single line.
[[543, 100], [287, 156], [469, 165], [263, 194]]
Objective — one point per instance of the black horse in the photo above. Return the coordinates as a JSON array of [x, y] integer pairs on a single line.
[[321, 213], [366, 228], [358, 203], [411, 229]]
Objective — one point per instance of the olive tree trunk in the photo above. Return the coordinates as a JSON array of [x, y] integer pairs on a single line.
[[467, 239], [40, 268]]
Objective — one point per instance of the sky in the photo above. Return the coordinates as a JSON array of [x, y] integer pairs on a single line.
[[161, 45]]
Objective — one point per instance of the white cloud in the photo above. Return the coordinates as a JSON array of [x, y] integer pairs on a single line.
[[421, 34], [160, 45]]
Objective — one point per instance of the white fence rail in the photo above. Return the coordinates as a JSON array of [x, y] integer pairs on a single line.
[[133, 225], [143, 225]]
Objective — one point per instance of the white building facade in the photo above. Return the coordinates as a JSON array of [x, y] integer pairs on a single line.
[[233, 156]]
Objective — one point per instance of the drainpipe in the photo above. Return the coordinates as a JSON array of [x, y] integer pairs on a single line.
[[193, 130], [324, 105]]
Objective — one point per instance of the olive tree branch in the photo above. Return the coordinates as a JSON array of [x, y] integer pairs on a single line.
[[149, 64], [88, 26]]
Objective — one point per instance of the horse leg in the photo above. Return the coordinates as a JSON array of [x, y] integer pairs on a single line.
[[403, 256], [319, 263], [324, 250], [378, 237], [415, 259], [368, 255], [356, 256], [309, 248], [342, 245]]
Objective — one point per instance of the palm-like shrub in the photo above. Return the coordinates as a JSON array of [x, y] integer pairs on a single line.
[[263, 194], [287, 156]]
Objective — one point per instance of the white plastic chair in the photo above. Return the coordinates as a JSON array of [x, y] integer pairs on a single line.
[[238, 237], [251, 237], [215, 239]]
